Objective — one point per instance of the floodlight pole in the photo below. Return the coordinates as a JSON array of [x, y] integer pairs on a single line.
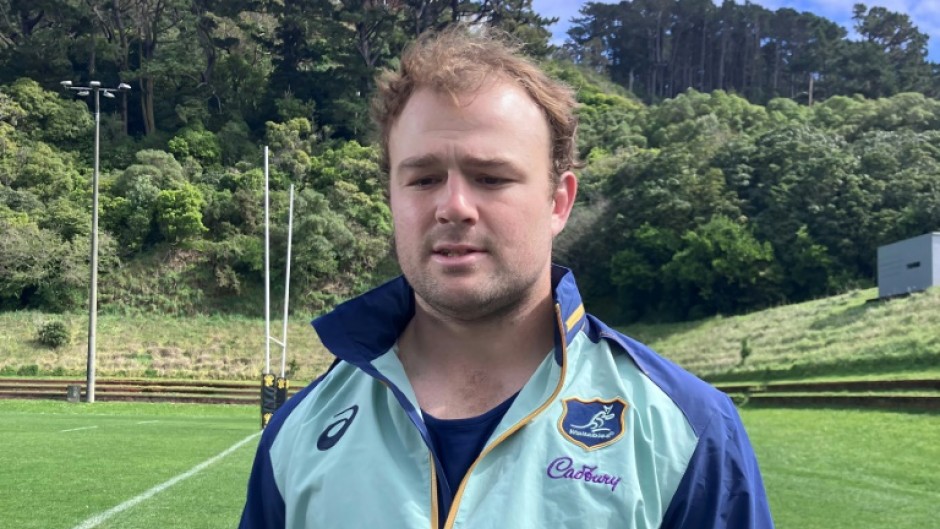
[[267, 273], [94, 86]]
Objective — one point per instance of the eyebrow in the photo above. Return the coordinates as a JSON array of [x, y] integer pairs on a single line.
[[418, 162], [425, 161]]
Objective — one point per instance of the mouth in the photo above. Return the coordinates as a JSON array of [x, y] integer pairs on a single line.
[[460, 250], [454, 253]]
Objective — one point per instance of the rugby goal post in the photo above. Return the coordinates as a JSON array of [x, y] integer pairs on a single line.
[[274, 388]]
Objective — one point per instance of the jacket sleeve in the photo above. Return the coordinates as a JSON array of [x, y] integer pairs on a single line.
[[264, 505], [722, 486]]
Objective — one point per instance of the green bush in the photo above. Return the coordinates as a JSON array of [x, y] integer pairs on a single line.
[[745, 350], [28, 371], [202, 145], [54, 334], [179, 212]]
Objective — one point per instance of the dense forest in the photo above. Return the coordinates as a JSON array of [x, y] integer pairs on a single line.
[[736, 157], [660, 48]]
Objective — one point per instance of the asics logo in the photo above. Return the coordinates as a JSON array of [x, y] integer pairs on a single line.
[[335, 431]]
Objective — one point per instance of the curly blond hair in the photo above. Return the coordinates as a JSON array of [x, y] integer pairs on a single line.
[[458, 61]]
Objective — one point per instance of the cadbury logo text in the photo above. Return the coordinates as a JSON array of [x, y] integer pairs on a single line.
[[564, 468]]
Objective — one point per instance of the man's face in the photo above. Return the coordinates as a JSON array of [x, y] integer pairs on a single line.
[[472, 201]]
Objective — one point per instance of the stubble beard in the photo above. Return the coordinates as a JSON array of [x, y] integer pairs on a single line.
[[493, 298]]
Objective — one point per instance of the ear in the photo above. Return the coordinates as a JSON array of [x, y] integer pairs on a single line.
[[563, 201]]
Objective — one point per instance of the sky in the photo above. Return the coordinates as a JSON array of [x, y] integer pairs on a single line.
[[924, 13]]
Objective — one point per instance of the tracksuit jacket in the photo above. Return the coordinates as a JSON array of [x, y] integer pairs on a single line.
[[605, 434]]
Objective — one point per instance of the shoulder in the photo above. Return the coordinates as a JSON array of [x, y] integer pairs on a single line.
[[698, 401], [721, 482], [329, 386]]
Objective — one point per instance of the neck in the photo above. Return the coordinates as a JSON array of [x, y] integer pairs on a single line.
[[464, 368]]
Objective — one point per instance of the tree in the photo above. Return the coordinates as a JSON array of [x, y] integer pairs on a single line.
[[659, 48], [903, 165], [636, 271], [799, 176], [179, 213], [517, 18], [131, 205], [334, 257], [32, 42], [44, 171], [328, 52], [50, 118], [199, 144], [721, 267], [40, 270], [896, 38]]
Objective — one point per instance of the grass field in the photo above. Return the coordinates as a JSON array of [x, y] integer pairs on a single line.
[[64, 465], [851, 469]]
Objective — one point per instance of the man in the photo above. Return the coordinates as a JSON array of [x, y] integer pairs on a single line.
[[475, 391]]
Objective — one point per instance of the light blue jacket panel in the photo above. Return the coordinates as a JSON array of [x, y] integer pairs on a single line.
[[605, 434]]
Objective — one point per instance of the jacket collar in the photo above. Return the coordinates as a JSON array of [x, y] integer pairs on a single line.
[[366, 327]]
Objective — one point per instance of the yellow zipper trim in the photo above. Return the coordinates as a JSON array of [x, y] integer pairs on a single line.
[[452, 515], [434, 513]]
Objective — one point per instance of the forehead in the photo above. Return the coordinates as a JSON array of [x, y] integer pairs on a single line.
[[499, 120]]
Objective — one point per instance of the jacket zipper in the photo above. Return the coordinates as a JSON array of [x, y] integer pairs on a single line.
[[434, 514], [455, 504]]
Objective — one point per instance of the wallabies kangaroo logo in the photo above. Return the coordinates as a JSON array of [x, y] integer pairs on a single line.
[[593, 424], [596, 424]]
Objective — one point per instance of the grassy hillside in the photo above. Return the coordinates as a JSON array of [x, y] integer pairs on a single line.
[[204, 347], [837, 336]]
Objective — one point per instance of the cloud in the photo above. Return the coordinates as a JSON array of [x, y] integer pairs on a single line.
[[926, 16]]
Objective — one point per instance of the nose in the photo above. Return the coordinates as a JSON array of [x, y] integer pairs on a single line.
[[456, 202]]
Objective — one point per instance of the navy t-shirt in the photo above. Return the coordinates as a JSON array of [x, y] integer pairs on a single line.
[[458, 442]]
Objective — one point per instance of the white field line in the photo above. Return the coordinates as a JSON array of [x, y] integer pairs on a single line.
[[98, 519], [77, 429], [147, 422]]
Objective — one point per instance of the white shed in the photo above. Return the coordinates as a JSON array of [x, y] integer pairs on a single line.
[[911, 265]]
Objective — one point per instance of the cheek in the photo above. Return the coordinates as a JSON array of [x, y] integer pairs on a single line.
[[402, 214], [404, 232], [529, 230], [406, 226]]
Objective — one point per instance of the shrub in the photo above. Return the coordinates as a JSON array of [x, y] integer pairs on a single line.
[[745, 350], [54, 334], [28, 371], [179, 212], [202, 145]]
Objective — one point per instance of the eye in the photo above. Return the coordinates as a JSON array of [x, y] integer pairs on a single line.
[[492, 181], [424, 182]]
